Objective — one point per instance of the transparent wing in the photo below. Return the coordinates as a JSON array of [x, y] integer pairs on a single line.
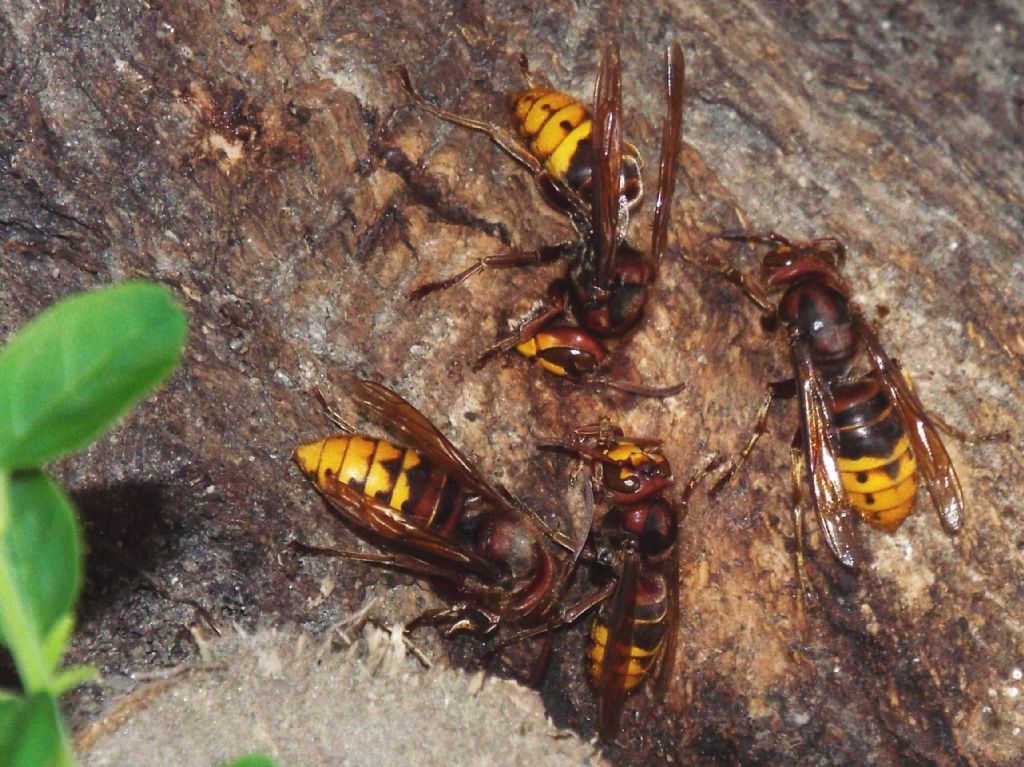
[[668, 653], [380, 520], [821, 449], [607, 144], [424, 437], [671, 137], [933, 462], [612, 684], [672, 567]]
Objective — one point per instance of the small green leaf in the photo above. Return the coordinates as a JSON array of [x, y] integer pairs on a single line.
[[40, 572], [253, 760], [73, 370], [55, 641], [71, 677], [31, 733]]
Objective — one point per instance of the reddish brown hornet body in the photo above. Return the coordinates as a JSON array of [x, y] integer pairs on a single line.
[[607, 281], [865, 438], [635, 630], [435, 515]]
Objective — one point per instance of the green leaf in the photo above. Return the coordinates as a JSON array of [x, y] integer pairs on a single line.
[[253, 760], [31, 733], [71, 677], [73, 370], [40, 571], [56, 640]]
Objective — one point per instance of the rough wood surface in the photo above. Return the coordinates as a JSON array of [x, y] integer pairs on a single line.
[[259, 159]]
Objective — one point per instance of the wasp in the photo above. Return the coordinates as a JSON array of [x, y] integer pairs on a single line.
[[554, 143], [865, 441], [593, 176], [435, 515], [636, 627]]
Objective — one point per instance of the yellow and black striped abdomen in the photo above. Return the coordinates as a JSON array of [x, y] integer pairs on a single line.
[[396, 476], [556, 128], [877, 465], [648, 636]]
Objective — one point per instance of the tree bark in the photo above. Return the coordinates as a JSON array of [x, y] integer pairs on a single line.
[[262, 159]]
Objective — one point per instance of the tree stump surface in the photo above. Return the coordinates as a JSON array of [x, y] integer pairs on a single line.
[[262, 160]]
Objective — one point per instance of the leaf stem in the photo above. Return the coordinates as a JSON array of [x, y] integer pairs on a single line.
[[17, 624]]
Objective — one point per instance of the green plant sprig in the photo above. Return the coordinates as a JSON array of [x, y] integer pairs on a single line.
[[65, 378]]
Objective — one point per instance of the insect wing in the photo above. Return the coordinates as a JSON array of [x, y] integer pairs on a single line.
[[933, 462], [425, 438], [820, 448], [618, 646], [367, 513], [675, 85], [607, 144], [587, 523], [668, 657], [668, 652]]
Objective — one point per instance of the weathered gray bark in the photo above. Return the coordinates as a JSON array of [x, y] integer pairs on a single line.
[[258, 158]]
